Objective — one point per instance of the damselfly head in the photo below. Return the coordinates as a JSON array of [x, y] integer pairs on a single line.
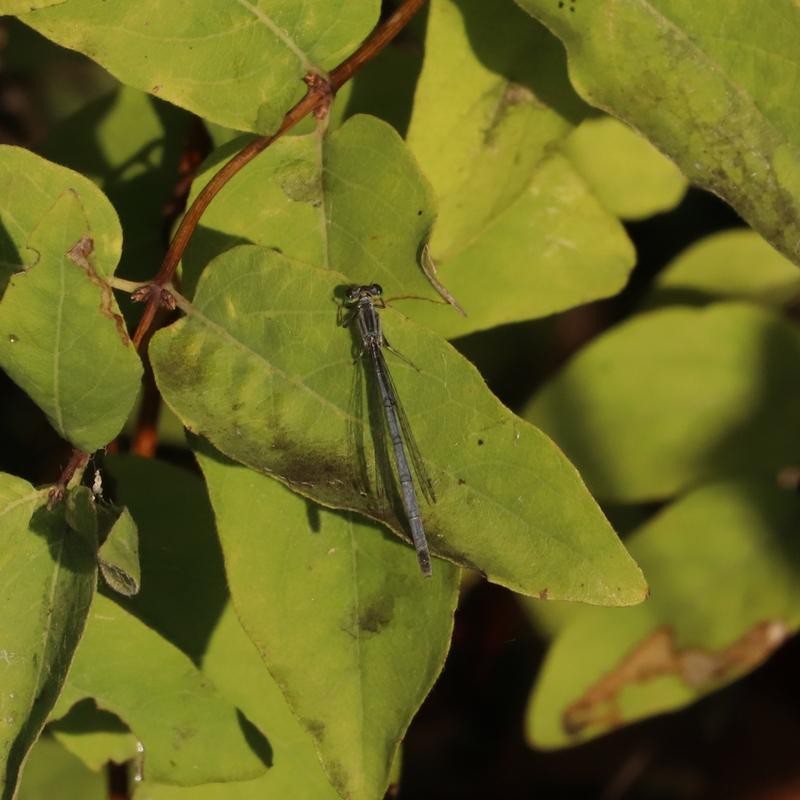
[[356, 293]]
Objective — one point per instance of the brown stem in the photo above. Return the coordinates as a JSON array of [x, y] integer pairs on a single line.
[[313, 98], [77, 460]]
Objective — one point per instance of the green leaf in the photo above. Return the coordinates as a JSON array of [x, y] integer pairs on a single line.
[[189, 732], [510, 217], [260, 368], [52, 772], [23, 6], [133, 154], [732, 264], [676, 396], [480, 148], [47, 579], [719, 105], [185, 598], [234, 664], [353, 200], [342, 595], [29, 187], [240, 64], [62, 338], [629, 176], [553, 248], [723, 564], [119, 553], [94, 735]]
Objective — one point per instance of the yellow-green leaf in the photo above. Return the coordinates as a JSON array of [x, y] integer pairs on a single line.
[[352, 200], [735, 264], [627, 174], [94, 735], [723, 564], [340, 615], [261, 369], [62, 338], [718, 98], [47, 579], [182, 561], [189, 732], [52, 772], [676, 396], [239, 63], [519, 235]]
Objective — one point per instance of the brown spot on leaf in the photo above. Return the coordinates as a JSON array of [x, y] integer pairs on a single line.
[[79, 254], [377, 615], [315, 727], [656, 656]]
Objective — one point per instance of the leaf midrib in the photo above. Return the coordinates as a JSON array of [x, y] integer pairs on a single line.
[[281, 34]]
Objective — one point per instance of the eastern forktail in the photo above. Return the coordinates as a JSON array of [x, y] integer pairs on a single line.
[[364, 302]]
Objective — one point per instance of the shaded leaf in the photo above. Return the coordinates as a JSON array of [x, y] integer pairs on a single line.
[[260, 368], [182, 561], [115, 530], [239, 64], [722, 111], [732, 264], [629, 176], [47, 579], [62, 338], [675, 396], [348, 629], [723, 564], [510, 219], [52, 772], [190, 733], [94, 736]]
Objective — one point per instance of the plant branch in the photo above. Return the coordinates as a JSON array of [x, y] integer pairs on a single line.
[[317, 97]]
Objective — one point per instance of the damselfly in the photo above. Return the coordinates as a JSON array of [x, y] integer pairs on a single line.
[[363, 303]]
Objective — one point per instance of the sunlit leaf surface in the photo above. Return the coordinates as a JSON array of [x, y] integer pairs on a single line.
[[347, 627], [62, 338], [261, 369], [239, 63], [711, 85]]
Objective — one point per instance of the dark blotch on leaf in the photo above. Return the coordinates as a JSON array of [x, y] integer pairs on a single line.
[[315, 727], [377, 615], [338, 777]]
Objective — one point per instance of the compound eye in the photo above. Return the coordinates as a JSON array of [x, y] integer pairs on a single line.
[[352, 293], [376, 290]]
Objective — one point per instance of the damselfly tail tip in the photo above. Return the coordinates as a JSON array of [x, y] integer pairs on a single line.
[[425, 564]]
